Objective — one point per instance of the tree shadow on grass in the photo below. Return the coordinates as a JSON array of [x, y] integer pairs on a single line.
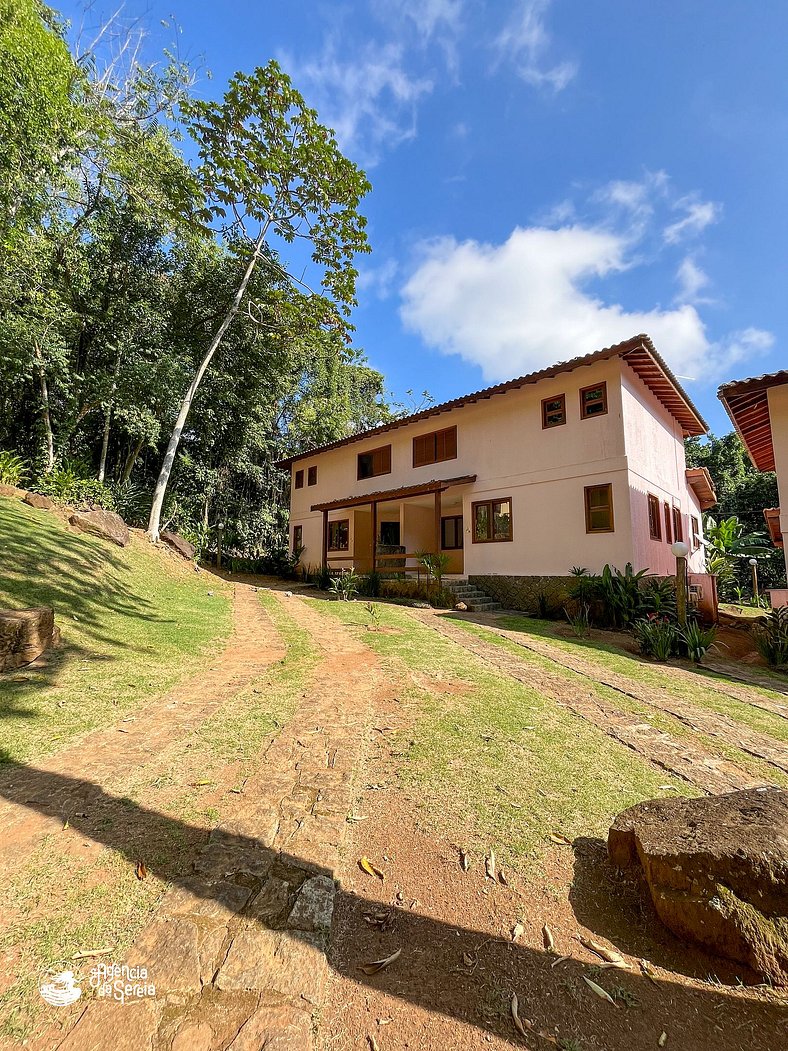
[[445, 968]]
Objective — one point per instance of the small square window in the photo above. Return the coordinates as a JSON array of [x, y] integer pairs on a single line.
[[599, 508], [299, 479], [311, 477], [492, 521], [554, 411], [339, 535], [593, 401]]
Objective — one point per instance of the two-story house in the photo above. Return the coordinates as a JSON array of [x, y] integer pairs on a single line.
[[758, 408], [580, 464]]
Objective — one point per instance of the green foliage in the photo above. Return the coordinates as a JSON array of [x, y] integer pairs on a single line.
[[13, 469], [585, 585], [345, 586], [69, 486], [374, 615], [435, 563], [621, 594], [697, 640], [771, 637], [371, 584], [657, 637], [659, 596], [580, 620], [131, 501]]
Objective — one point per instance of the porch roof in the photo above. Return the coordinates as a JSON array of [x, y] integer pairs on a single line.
[[772, 516], [701, 482], [438, 485], [747, 404]]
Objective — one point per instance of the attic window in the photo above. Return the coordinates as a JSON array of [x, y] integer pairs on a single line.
[[593, 401], [554, 411]]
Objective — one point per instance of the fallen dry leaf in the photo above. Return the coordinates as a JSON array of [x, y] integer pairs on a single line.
[[468, 960], [356, 817], [372, 870], [140, 871], [465, 861], [610, 956], [65, 824], [489, 865], [373, 1044], [502, 878], [516, 1016], [561, 959], [663, 1039], [517, 931], [379, 965], [86, 953], [600, 992], [549, 941], [649, 971], [560, 839]]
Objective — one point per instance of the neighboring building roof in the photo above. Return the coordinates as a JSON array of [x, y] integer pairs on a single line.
[[703, 486], [772, 516], [394, 494], [747, 404], [638, 352]]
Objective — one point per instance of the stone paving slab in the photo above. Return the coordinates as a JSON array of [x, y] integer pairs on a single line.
[[238, 951]]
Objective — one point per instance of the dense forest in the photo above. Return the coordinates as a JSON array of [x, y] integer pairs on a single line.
[[155, 334]]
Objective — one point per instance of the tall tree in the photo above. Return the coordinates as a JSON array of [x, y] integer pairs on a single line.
[[273, 174]]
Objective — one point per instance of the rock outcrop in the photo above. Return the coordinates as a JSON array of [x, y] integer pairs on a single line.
[[177, 543], [38, 500], [717, 871], [24, 635], [105, 524], [12, 490]]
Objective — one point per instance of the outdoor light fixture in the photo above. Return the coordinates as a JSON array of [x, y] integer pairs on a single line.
[[679, 549]]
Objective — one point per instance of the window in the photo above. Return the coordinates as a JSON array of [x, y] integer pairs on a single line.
[[339, 535], [298, 539], [451, 533], [654, 523], [435, 447], [299, 481], [389, 534], [311, 476], [668, 524], [695, 532], [554, 411], [492, 520], [374, 462], [593, 401], [599, 508], [678, 527]]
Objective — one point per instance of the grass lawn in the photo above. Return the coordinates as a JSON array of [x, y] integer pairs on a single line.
[[132, 623], [479, 739]]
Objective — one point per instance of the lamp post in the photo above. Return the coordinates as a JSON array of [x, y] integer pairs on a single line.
[[219, 529], [680, 550], [754, 571]]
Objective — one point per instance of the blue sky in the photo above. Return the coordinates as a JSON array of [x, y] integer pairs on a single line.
[[549, 177]]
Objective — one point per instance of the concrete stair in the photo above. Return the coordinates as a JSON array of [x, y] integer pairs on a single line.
[[475, 599]]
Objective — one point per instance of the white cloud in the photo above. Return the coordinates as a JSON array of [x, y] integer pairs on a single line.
[[369, 99], [526, 42], [519, 306], [697, 216], [692, 280], [430, 17], [378, 280]]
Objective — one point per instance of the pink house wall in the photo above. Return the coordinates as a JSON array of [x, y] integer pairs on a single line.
[[778, 415]]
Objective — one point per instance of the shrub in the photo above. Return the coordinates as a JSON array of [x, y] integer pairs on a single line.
[[771, 637], [697, 640], [344, 586], [580, 621], [659, 596], [622, 595], [132, 502], [67, 485], [657, 637], [13, 469], [370, 584]]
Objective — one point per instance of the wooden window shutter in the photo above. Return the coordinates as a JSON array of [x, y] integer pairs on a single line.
[[422, 448]]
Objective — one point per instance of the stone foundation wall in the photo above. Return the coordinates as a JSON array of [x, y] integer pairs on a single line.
[[543, 596], [24, 635]]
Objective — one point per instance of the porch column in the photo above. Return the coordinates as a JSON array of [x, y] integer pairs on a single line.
[[325, 539], [374, 534], [437, 522]]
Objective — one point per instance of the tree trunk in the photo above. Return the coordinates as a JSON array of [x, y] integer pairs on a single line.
[[169, 457], [107, 418], [131, 459], [45, 412]]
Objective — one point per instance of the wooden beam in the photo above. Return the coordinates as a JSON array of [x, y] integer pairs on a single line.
[[325, 540], [437, 522], [374, 535]]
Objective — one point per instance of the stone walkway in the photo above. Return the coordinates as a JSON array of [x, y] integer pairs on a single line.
[[237, 952]]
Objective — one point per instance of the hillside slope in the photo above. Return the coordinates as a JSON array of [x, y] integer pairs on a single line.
[[133, 621]]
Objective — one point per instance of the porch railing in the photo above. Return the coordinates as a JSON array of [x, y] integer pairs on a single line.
[[401, 568]]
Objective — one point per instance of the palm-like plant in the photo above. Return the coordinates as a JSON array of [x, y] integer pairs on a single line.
[[726, 543]]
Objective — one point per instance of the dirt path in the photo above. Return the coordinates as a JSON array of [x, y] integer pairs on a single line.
[[238, 950], [714, 724], [103, 758], [682, 758]]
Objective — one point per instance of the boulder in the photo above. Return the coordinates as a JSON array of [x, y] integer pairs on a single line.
[[24, 635], [43, 503], [105, 524], [12, 490], [716, 870], [177, 543]]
